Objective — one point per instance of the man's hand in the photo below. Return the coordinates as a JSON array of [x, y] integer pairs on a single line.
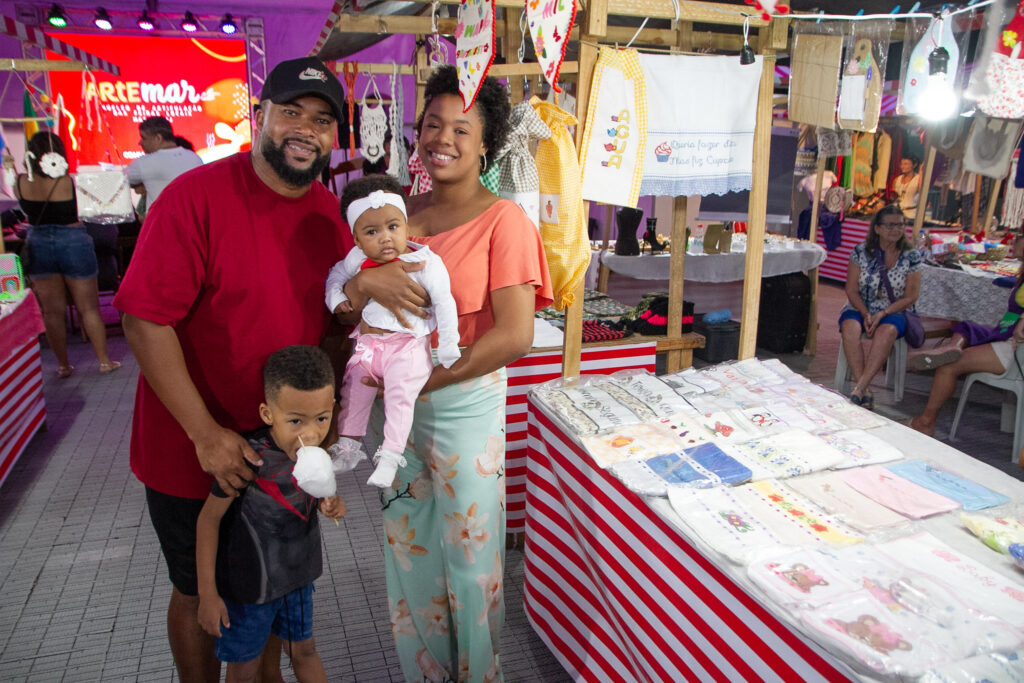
[[212, 613], [391, 287], [333, 507], [223, 453]]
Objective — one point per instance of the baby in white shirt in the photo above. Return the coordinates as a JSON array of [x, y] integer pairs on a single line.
[[393, 355]]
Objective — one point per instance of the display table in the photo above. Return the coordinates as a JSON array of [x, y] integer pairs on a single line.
[[716, 267], [22, 409], [618, 591], [959, 295], [541, 366]]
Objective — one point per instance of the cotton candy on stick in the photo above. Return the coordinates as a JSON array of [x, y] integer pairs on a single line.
[[313, 471]]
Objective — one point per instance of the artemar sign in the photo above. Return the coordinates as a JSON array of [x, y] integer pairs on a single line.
[[198, 84]]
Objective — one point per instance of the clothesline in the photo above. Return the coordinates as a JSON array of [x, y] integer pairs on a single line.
[[970, 7]]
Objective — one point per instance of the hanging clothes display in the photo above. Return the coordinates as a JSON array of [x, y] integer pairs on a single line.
[[990, 145], [517, 170]]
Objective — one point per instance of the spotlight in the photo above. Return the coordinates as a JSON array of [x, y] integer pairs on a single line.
[[189, 23], [56, 17], [938, 101], [145, 22], [228, 25], [102, 19]]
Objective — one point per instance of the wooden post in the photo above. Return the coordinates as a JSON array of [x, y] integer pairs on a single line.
[[977, 203], [990, 208], [674, 360], [926, 182], [757, 206], [811, 346], [510, 47]]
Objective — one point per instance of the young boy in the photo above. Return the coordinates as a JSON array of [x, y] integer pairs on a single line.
[[258, 579], [399, 357]]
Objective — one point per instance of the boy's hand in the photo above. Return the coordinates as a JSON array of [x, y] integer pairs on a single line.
[[212, 613], [333, 507]]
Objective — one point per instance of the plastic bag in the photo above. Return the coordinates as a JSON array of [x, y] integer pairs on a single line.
[[103, 194]]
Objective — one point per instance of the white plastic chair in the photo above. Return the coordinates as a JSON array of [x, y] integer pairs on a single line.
[[1011, 380], [895, 369]]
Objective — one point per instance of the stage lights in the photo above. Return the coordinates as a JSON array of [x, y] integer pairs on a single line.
[[102, 19], [56, 17], [189, 23], [145, 22], [228, 25]]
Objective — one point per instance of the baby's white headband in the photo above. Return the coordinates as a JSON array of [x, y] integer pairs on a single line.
[[374, 200]]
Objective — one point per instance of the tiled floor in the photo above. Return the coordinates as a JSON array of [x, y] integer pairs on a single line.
[[83, 586]]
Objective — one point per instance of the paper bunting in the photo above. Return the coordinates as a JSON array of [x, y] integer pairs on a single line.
[[768, 7], [474, 47], [550, 23]]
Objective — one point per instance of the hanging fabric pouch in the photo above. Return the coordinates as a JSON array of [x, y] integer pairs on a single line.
[[103, 195]]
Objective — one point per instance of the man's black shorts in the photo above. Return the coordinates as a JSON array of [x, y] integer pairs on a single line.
[[174, 520]]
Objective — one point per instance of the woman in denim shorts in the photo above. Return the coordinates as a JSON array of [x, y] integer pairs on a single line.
[[59, 252]]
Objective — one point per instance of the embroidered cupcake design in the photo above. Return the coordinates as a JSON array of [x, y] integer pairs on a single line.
[[663, 151]]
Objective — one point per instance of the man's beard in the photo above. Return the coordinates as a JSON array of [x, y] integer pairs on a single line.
[[290, 175]]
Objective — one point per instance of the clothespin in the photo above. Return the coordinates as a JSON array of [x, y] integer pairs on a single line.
[[821, 15], [971, 2], [895, 10], [917, 6], [860, 12]]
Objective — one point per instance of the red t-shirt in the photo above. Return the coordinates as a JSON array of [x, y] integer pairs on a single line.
[[238, 271]]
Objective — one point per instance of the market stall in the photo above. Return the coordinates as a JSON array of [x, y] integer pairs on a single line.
[[22, 408]]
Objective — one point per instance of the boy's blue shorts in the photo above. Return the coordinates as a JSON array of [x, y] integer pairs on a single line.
[[289, 617], [897, 320]]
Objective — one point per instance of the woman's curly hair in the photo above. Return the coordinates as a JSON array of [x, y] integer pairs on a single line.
[[492, 103]]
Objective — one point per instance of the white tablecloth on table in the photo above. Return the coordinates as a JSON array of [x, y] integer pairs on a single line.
[[716, 267], [957, 295]]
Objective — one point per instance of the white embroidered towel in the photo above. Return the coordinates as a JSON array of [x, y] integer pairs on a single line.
[[700, 131]]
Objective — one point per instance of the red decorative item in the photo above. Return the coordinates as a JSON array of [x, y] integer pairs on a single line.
[[768, 8]]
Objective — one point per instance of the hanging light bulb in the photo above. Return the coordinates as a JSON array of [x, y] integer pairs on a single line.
[[56, 17], [228, 25], [938, 101], [145, 22], [102, 19], [747, 52], [189, 23]]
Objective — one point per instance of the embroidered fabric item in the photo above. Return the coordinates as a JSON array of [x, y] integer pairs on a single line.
[[1005, 79], [517, 170], [980, 587], [724, 522], [103, 196], [638, 441], [832, 493], [686, 428], [861, 448], [652, 392], [563, 225], [550, 25], [832, 143], [717, 465], [780, 508], [897, 493], [789, 454], [612, 154], [970, 495], [604, 411], [474, 47], [421, 181], [995, 666], [802, 577], [802, 416], [700, 136], [758, 372], [639, 478], [690, 381], [997, 533], [851, 416], [990, 145]]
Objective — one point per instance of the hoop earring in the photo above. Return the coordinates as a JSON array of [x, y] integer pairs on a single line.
[[483, 162]]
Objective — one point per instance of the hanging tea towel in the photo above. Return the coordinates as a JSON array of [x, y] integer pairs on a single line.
[[616, 131], [563, 226], [700, 134], [517, 170], [1004, 75], [474, 47]]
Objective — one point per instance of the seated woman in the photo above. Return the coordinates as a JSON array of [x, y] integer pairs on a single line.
[[973, 348], [882, 280]]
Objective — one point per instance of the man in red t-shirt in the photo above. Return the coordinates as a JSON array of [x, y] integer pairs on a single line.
[[229, 268]]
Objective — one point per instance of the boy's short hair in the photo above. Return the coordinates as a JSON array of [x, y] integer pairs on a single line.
[[362, 187], [306, 368]]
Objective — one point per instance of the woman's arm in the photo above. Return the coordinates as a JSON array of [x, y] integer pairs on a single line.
[[910, 292], [853, 289], [391, 287], [510, 339]]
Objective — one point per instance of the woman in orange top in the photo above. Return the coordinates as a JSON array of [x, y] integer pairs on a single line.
[[444, 515]]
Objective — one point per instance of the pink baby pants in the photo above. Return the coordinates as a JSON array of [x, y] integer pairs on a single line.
[[402, 363]]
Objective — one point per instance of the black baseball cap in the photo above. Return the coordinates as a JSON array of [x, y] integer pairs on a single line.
[[294, 78]]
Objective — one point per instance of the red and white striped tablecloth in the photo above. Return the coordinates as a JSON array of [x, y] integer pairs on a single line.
[[618, 594], [540, 367], [22, 409], [855, 231]]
